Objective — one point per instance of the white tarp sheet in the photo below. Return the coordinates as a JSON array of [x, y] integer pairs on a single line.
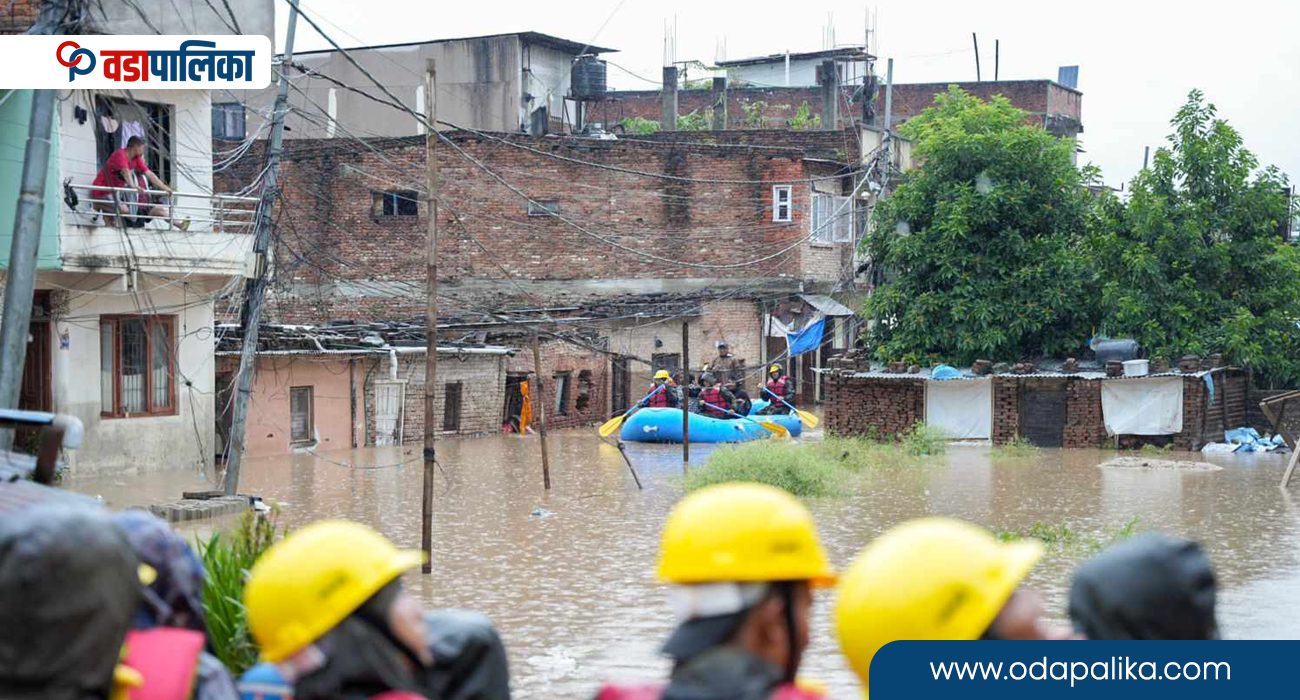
[[1151, 406], [963, 409]]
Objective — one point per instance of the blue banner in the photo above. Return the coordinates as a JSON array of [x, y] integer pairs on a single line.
[[808, 339], [1092, 669]]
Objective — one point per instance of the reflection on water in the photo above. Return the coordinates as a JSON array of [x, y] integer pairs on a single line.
[[572, 590]]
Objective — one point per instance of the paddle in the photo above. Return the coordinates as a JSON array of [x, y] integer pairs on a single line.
[[774, 428], [807, 418], [613, 423]]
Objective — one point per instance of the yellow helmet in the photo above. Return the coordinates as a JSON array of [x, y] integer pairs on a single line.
[[742, 532], [306, 584], [662, 374], [931, 578], [774, 368]]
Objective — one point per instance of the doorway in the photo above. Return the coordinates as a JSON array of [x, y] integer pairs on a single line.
[[618, 398], [35, 393], [514, 401]]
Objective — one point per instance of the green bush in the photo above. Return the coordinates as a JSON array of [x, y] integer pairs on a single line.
[[790, 466], [1019, 448], [924, 440], [226, 561]]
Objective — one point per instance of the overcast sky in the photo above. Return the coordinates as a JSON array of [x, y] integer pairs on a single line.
[[1138, 59]]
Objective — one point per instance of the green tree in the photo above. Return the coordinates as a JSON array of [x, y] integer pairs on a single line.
[[981, 247], [1194, 261]]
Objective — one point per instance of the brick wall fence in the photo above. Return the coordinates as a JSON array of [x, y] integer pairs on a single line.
[[859, 405], [482, 380]]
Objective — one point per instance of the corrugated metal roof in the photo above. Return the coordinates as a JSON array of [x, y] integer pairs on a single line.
[[826, 305], [967, 375]]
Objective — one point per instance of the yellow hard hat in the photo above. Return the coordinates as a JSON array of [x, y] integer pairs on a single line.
[[931, 578], [774, 368], [742, 532], [662, 374], [704, 367], [306, 584]]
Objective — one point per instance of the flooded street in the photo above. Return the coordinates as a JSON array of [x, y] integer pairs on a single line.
[[567, 575]]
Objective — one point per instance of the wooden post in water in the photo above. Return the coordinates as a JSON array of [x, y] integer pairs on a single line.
[[430, 315], [540, 410], [686, 390]]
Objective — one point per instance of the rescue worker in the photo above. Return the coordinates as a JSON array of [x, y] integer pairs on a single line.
[[731, 370], [327, 607], [70, 586], [1152, 587], [779, 387], [665, 397], [744, 559], [716, 397], [170, 632], [935, 578]]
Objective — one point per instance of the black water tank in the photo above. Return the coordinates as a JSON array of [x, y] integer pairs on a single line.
[[1117, 350], [587, 78]]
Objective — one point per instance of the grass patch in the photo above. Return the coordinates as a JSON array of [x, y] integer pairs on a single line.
[[226, 561], [924, 440], [1019, 448], [785, 465], [1149, 449], [1061, 538]]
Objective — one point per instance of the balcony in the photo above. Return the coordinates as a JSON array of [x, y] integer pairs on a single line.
[[182, 233]]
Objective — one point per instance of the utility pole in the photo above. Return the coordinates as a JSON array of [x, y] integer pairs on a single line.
[[21, 281], [686, 390], [255, 288], [541, 410], [431, 313], [975, 40]]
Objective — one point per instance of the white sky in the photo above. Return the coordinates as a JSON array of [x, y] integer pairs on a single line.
[[1138, 58]]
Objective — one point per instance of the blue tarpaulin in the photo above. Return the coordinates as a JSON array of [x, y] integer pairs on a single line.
[[808, 339]]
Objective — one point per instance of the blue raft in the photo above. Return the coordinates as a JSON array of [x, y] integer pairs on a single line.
[[665, 425]]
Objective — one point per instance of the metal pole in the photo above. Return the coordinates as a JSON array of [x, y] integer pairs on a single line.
[[21, 280], [686, 390], [255, 288], [976, 41], [540, 411], [430, 314], [997, 57], [889, 94]]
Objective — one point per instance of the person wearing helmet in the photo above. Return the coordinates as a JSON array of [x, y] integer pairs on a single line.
[[779, 387], [936, 578], [714, 398], [665, 391], [327, 607], [1152, 587], [744, 560]]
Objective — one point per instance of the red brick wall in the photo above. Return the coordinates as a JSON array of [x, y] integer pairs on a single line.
[[557, 357], [1084, 424], [872, 407], [1006, 409], [18, 16]]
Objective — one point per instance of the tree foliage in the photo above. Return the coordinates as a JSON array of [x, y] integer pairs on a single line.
[[982, 246], [1193, 262]]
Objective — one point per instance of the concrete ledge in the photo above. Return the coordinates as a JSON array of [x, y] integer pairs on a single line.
[[187, 509]]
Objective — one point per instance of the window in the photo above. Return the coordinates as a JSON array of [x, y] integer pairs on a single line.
[[832, 219], [300, 415], [228, 121], [543, 207], [782, 203], [128, 117], [561, 393], [395, 203], [137, 366], [670, 361], [451, 407]]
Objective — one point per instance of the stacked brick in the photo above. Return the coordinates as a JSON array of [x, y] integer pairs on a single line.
[[873, 406], [1084, 424], [1006, 409]]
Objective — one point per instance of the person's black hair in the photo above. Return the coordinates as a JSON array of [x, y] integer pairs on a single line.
[[134, 141]]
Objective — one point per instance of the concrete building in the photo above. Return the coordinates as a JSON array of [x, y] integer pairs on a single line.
[[797, 69], [501, 82], [122, 322]]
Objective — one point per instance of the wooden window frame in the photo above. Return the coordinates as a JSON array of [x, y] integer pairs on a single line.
[[311, 416], [563, 388], [149, 321], [777, 204], [449, 390], [379, 197]]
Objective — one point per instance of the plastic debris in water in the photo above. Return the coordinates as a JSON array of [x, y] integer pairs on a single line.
[[542, 513]]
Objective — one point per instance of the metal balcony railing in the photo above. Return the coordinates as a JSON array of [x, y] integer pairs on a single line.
[[216, 213]]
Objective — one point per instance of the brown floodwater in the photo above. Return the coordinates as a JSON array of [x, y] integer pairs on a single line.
[[567, 575]]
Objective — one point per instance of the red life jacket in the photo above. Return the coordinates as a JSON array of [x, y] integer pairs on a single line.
[[660, 399], [778, 386], [712, 395], [652, 691], [167, 658]]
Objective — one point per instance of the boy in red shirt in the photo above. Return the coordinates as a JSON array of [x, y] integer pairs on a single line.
[[125, 168]]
